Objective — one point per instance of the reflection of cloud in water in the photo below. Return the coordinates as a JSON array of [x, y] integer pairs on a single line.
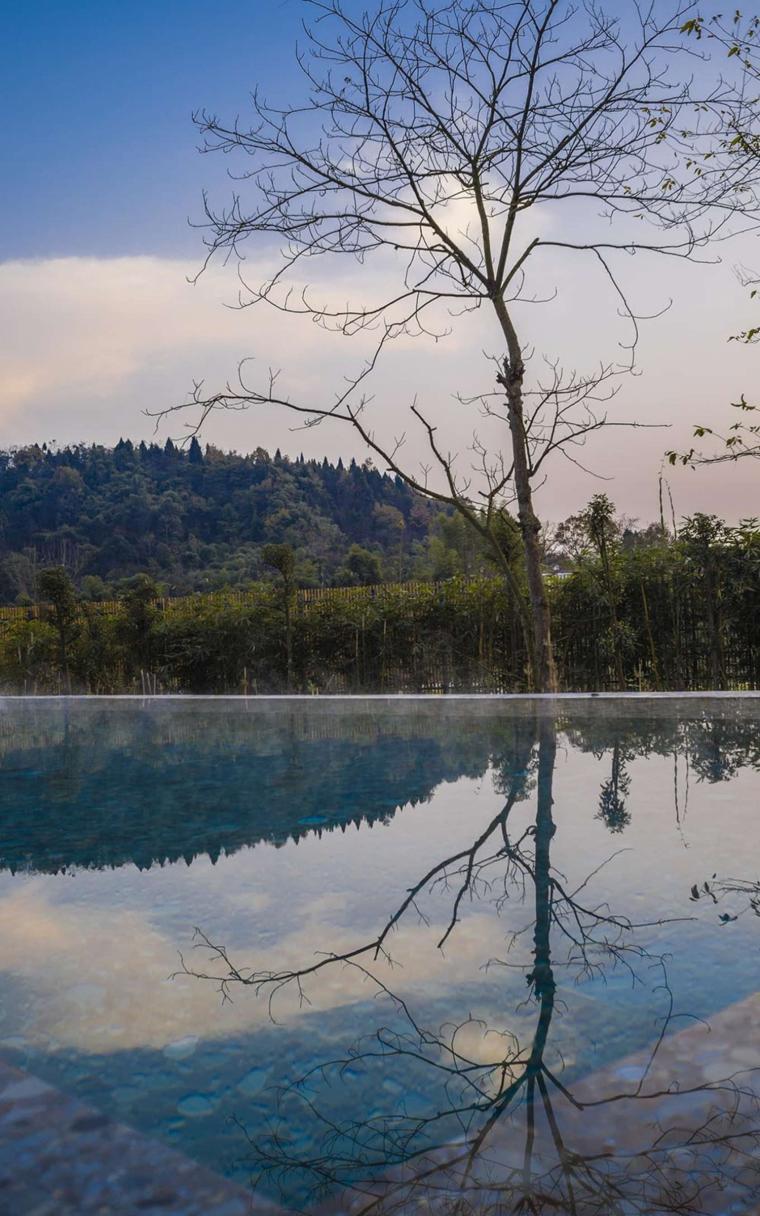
[[86, 956], [100, 982], [93, 958]]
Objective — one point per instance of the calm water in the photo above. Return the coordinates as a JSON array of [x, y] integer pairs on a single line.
[[555, 850]]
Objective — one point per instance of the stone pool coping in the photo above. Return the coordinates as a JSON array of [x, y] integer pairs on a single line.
[[749, 694], [59, 1157]]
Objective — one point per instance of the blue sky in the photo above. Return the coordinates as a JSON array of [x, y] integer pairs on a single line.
[[100, 174], [98, 148]]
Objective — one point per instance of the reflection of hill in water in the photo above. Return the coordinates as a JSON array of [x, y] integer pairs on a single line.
[[89, 783], [88, 789]]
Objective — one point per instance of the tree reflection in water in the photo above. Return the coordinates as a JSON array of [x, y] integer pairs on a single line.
[[509, 1134]]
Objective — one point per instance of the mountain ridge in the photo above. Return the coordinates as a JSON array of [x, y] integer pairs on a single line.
[[197, 519]]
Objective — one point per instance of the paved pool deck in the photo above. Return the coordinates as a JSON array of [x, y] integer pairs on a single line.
[[59, 1157]]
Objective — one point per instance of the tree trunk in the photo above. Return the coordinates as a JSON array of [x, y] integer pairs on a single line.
[[650, 637], [544, 673], [545, 676], [712, 607], [611, 600], [511, 379], [288, 635], [515, 593], [63, 654]]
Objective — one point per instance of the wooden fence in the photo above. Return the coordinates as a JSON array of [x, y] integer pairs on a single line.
[[304, 596], [463, 634]]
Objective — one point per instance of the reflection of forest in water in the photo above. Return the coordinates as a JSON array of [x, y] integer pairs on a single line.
[[412, 1104], [507, 1131], [98, 784]]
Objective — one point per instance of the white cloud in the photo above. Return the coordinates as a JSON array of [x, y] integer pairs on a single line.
[[88, 344], [86, 325]]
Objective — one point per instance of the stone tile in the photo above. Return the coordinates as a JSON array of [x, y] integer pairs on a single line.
[[59, 1157], [670, 1100]]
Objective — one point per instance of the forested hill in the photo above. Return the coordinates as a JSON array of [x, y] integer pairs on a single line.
[[197, 519]]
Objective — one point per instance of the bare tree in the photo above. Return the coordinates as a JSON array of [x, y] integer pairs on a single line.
[[282, 559], [433, 137]]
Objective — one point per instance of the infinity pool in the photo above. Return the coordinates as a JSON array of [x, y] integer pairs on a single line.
[[315, 943]]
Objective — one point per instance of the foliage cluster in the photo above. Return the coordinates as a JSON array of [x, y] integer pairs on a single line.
[[679, 614], [737, 37], [635, 611], [198, 520]]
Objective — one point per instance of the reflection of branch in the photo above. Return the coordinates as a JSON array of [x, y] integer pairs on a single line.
[[464, 1149], [717, 889], [588, 930]]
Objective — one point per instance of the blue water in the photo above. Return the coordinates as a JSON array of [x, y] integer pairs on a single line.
[[287, 829]]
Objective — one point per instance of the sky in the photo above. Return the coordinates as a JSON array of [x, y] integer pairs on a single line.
[[102, 183]]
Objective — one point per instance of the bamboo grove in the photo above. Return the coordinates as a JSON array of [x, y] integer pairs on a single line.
[[680, 612]]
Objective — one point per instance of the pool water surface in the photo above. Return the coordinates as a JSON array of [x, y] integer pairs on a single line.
[[319, 944]]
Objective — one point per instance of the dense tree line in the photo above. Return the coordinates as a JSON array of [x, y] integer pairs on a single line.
[[197, 519], [633, 609]]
